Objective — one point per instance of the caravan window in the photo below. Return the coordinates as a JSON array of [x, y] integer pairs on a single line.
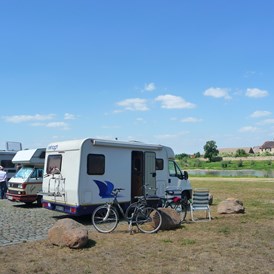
[[54, 162], [96, 164], [159, 164]]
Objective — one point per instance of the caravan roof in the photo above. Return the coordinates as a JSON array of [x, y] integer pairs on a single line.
[[77, 144], [30, 156]]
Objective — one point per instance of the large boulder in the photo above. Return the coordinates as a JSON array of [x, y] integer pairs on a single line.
[[230, 206], [69, 233], [170, 218]]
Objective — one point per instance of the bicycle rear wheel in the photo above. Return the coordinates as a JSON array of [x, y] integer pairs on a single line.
[[148, 220], [130, 210], [105, 219], [182, 210]]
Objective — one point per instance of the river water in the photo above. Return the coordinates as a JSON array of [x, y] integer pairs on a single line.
[[232, 173]]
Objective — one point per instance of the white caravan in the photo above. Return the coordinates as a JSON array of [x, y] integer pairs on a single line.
[[81, 174], [6, 157], [25, 185], [6, 162]]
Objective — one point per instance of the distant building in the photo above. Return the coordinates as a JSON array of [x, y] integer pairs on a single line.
[[267, 146], [232, 151], [256, 149]]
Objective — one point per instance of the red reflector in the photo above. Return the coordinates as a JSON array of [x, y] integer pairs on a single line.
[[45, 204], [73, 210]]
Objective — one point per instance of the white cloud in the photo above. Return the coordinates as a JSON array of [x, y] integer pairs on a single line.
[[150, 87], [171, 136], [248, 129], [217, 93], [260, 113], [249, 74], [256, 93], [28, 118], [140, 120], [173, 102], [134, 104], [69, 116], [266, 122], [191, 120], [57, 125], [61, 125]]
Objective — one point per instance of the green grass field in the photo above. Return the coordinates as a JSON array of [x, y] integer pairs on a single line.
[[236, 164]]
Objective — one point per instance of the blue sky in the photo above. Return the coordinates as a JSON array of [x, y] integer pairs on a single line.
[[177, 73]]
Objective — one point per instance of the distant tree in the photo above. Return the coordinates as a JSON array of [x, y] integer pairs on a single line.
[[211, 150], [181, 156], [240, 153], [197, 155]]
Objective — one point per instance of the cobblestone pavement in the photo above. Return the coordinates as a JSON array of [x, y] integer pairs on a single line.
[[20, 223]]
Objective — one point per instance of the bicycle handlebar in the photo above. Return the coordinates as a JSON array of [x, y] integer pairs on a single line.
[[118, 189]]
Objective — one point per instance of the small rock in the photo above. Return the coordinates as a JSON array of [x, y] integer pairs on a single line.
[[230, 206]]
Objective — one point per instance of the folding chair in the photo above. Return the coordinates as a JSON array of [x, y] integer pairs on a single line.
[[200, 202]]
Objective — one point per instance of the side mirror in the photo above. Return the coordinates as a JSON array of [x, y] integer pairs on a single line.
[[185, 175]]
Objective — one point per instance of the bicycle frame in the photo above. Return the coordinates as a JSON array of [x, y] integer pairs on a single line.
[[106, 217], [140, 204]]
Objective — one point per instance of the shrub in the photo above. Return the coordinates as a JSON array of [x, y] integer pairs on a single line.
[[240, 163], [241, 153], [217, 159]]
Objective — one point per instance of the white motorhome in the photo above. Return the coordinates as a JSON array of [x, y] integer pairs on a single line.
[[6, 157], [81, 174], [6, 162], [25, 185]]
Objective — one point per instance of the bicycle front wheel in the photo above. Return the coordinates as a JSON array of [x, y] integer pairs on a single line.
[[105, 219], [148, 220]]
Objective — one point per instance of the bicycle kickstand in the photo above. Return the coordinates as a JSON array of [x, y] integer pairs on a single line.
[[130, 227]]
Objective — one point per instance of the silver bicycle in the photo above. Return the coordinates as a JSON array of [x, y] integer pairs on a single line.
[[105, 218]]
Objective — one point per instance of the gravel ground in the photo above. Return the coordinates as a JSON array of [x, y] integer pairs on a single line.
[[21, 223]]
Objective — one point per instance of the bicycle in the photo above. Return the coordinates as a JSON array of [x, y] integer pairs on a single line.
[[177, 201], [105, 218]]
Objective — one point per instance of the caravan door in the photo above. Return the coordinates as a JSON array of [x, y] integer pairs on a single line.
[[150, 172]]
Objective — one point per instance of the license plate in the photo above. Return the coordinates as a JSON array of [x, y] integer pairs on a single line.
[[59, 208], [9, 197]]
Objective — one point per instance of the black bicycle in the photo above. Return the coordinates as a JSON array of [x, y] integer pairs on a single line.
[[105, 218], [177, 201]]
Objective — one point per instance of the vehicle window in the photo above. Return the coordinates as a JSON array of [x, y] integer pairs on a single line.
[[40, 173], [159, 164], [37, 173], [174, 170], [96, 164], [24, 172], [7, 164], [171, 168], [54, 162]]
